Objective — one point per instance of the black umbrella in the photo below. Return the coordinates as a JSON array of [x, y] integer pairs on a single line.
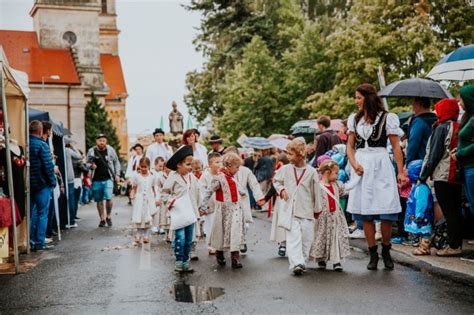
[[415, 88]]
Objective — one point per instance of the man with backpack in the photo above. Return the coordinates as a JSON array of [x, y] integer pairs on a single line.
[[106, 168], [327, 138]]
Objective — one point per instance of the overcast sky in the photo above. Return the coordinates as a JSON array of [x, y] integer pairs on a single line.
[[156, 51]]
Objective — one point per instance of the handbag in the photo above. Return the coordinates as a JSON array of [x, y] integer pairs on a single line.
[[116, 189], [182, 213]]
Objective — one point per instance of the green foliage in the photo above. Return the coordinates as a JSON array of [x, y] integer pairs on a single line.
[[98, 122], [271, 63]]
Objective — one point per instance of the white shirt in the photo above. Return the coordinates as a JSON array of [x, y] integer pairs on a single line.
[[158, 149], [201, 154], [132, 166]]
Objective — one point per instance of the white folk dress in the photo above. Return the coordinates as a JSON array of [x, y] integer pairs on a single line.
[[228, 228], [331, 234], [375, 192], [144, 206]]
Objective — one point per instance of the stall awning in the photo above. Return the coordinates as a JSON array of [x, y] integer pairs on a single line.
[[35, 114]]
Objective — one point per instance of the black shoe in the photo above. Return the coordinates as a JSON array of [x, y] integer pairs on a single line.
[[77, 219], [109, 222], [220, 258], [282, 251], [102, 224], [298, 270], [235, 257], [387, 259], [45, 247], [243, 250], [322, 265], [374, 258], [337, 267]]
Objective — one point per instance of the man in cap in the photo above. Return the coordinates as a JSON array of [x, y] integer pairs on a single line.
[[216, 144], [105, 167], [159, 147]]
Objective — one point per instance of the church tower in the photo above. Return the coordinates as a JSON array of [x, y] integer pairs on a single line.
[[62, 24], [108, 31]]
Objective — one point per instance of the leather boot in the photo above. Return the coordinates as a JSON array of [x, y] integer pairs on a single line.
[[424, 248], [220, 258], [387, 259], [374, 258], [235, 256]]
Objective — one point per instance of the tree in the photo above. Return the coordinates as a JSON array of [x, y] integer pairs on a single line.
[[250, 95], [98, 122]]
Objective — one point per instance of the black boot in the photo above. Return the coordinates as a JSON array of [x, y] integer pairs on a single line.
[[374, 258], [220, 258], [387, 259], [235, 256]]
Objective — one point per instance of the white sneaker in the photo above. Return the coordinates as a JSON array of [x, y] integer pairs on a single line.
[[72, 226], [48, 240], [357, 234]]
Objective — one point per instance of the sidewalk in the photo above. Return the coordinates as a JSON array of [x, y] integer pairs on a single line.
[[451, 268]]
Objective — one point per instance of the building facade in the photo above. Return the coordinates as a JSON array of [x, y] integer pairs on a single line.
[[71, 53]]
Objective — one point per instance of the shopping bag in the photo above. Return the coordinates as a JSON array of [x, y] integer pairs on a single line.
[[182, 213]]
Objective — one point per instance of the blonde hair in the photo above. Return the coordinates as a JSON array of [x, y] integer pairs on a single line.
[[196, 161], [297, 146], [327, 166], [231, 159], [232, 149]]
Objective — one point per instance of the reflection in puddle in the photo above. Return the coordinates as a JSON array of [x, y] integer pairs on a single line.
[[195, 294]]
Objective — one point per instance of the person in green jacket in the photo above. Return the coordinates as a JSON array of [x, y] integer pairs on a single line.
[[465, 150]]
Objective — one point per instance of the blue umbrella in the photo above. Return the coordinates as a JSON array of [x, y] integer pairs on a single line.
[[257, 143], [458, 65]]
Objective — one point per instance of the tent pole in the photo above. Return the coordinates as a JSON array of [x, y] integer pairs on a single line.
[[6, 128], [27, 177]]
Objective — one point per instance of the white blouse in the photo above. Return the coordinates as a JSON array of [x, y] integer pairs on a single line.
[[365, 129]]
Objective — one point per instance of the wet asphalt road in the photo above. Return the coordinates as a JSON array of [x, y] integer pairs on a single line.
[[84, 275]]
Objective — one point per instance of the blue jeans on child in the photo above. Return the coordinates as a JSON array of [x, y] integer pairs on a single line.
[[39, 216], [183, 241]]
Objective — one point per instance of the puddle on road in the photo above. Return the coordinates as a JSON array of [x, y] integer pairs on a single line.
[[195, 294]]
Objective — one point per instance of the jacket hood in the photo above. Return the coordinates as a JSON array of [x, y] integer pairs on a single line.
[[467, 95], [428, 117], [414, 170], [447, 109]]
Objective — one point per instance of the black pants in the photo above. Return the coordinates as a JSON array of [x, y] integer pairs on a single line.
[[401, 218], [449, 198]]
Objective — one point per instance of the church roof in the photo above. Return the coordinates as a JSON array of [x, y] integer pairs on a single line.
[[25, 54], [113, 76]]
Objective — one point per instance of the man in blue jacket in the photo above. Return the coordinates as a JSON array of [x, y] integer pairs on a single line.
[[419, 129], [42, 182]]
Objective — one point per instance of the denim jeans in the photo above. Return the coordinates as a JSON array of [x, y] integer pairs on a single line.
[[40, 201], [86, 193], [71, 203], [469, 186], [183, 241]]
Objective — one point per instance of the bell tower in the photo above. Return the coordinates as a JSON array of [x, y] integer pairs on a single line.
[[108, 28], [74, 24]]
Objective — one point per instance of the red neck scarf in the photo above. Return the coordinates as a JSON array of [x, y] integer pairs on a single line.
[[446, 109]]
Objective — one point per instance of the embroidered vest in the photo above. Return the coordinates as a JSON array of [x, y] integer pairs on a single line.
[[378, 138]]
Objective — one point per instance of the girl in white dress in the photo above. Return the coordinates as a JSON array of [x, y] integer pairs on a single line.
[[144, 201], [374, 195]]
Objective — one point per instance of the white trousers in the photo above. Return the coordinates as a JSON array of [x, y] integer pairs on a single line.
[[299, 240], [208, 222]]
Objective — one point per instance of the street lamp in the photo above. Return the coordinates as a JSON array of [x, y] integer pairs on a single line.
[[52, 77]]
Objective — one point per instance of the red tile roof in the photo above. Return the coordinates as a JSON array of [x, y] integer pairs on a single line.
[[25, 54], [113, 76]]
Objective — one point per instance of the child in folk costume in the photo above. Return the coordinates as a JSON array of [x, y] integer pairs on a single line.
[[215, 165], [180, 194], [227, 230], [143, 195], [331, 239], [298, 185], [246, 179], [163, 212], [197, 168], [157, 172]]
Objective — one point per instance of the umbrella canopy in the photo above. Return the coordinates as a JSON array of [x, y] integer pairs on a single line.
[[257, 143], [415, 88], [458, 65], [310, 127], [280, 143]]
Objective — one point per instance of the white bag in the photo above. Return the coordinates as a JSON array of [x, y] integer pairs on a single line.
[[285, 217], [182, 213]]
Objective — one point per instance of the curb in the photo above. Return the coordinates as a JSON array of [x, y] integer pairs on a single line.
[[421, 266]]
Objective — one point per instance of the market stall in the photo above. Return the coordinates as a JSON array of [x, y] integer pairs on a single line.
[[14, 191]]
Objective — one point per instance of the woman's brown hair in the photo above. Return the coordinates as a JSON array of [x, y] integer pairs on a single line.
[[187, 134], [372, 103]]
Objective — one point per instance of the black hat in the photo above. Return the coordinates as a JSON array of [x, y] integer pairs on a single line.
[[196, 131], [183, 152], [158, 130], [137, 145], [215, 139], [101, 135]]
